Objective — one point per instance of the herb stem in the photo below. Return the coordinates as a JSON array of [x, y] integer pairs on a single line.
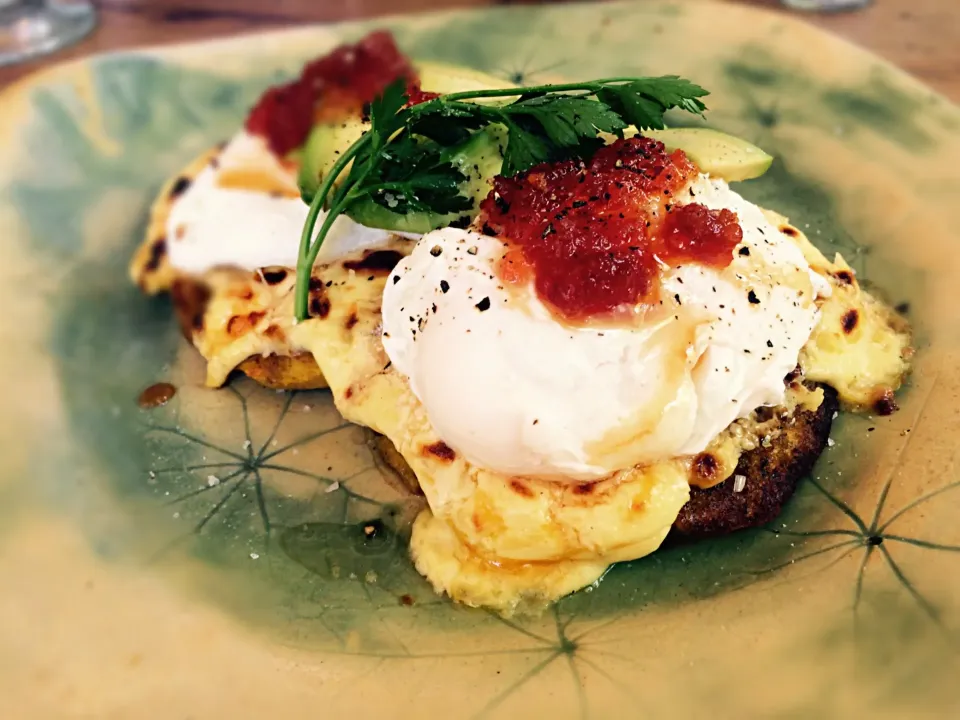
[[316, 205], [308, 246], [305, 264], [342, 198]]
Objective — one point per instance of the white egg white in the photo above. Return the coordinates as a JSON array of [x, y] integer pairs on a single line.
[[213, 226]]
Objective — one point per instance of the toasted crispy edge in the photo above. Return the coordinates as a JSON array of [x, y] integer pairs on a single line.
[[772, 474], [389, 458], [284, 372]]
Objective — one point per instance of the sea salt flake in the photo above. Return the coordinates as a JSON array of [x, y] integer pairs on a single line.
[[212, 481], [831, 442], [254, 556], [333, 487], [739, 483]]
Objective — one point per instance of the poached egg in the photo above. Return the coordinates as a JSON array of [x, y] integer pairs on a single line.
[[520, 393], [244, 210]]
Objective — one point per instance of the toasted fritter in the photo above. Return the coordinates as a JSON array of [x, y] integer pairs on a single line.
[[771, 473], [284, 372], [151, 270], [388, 453], [770, 477]]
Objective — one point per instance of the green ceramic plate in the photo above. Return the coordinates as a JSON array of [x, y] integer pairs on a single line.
[[204, 559]]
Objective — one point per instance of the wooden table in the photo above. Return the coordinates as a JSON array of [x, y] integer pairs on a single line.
[[921, 36]]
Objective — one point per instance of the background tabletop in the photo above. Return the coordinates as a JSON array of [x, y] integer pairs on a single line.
[[921, 36]]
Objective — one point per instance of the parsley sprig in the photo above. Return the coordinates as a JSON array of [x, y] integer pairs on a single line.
[[401, 162]]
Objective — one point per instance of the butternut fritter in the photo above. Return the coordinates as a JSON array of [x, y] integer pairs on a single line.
[[769, 476]]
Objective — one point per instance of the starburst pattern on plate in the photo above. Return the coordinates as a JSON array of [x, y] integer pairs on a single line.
[[232, 475], [527, 71], [247, 469], [868, 539], [873, 538]]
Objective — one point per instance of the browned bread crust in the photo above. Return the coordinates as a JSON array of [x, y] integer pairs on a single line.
[[391, 457]]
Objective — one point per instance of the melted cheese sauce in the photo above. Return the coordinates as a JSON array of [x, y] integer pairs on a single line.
[[860, 346]]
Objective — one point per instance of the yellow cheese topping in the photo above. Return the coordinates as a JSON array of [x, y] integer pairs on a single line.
[[861, 346]]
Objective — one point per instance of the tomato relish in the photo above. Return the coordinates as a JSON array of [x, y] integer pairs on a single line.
[[594, 235], [330, 88]]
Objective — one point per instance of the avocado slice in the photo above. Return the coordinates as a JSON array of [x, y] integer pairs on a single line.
[[716, 153], [480, 158], [324, 145], [443, 78]]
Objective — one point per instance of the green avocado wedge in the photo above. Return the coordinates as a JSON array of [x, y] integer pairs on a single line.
[[324, 145], [716, 153]]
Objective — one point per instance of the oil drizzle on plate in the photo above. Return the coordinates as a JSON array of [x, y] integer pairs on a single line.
[[156, 395]]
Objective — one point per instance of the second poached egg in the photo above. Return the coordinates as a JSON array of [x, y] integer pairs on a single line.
[[520, 393]]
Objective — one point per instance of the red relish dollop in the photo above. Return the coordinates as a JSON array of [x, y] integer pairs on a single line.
[[330, 88], [594, 235]]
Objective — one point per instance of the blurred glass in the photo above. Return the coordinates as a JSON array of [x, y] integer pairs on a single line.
[[29, 28], [826, 5]]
